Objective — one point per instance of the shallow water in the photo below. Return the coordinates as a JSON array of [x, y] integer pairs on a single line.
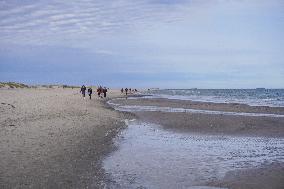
[[150, 157], [136, 108]]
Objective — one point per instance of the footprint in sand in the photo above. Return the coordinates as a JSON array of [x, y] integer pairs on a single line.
[[8, 104]]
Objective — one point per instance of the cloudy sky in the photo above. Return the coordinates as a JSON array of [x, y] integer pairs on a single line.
[[143, 43]]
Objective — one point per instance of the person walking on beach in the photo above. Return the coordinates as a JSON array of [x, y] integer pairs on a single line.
[[90, 91], [99, 90], [126, 90], [105, 91], [121, 90], [83, 91]]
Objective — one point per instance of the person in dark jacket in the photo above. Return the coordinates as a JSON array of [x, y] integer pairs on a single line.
[[90, 91], [100, 91], [105, 92], [83, 90]]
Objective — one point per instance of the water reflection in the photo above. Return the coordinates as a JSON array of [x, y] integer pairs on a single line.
[[150, 157]]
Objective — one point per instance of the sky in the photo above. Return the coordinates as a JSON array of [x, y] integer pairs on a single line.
[[143, 43]]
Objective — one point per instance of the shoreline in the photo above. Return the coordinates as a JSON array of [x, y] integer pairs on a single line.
[[206, 123], [194, 160], [198, 105], [267, 175], [252, 97], [53, 138]]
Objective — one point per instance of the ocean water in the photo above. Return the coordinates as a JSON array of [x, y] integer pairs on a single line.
[[255, 97]]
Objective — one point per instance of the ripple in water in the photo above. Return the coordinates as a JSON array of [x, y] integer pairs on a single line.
[[150, 157]]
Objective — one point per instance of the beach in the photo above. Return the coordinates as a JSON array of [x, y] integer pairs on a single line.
[[193, 144], [53, 138], [186, 94]]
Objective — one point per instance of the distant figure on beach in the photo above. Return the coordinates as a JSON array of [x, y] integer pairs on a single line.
[[105, 91], [99, 91], [83, 91], [126, 90], [121, 90], [90, 91]]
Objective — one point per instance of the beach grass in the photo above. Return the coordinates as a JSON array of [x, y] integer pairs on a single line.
[[13, 85]]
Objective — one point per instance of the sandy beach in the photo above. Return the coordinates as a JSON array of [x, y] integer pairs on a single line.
[[195, 94], [53, 138]]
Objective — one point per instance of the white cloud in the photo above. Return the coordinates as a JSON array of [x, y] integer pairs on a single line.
[[152, 36], [87, 18]]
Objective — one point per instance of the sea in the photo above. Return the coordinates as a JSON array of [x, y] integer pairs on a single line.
[[253, 97]]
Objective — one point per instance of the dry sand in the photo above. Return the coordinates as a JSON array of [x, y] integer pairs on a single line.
[[53, 138]]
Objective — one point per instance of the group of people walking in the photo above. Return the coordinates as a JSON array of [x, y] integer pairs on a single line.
[[127, 91], [101, 90]]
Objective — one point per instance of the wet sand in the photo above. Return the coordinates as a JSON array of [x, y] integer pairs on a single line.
[[264, 174], [229, 107], [217, 124], [53, 138], [211, 123], [267, 176]]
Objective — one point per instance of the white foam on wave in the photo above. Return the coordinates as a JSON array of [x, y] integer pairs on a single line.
[[271, 102]]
